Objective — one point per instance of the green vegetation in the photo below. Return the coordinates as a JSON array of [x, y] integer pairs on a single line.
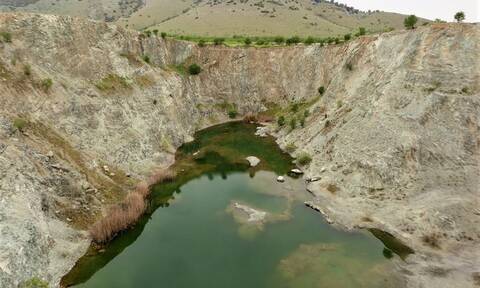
[[194, 69], [293, 123], [347, 37], [279, 40], [20, 124], [6, 36], [349, 66], [163, 35], [459, 16], [465, 90], [46, 84], [361, 31], [248, 41], [201, 43], [294, 107], [339, 104], [293, 40], [281, 121], [290, 148], [218, 41], [155, 32], [232, 112], [146, 58], [410, 22], [27, 70], [309, 40], [303, 159], [321, 90], [147, 33], [113, 82], [34, 282]]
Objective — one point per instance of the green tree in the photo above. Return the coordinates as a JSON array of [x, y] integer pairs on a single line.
[[163, 35], [321, 90], [347, 37], [218, 41], [194, 69], [460, 16], [281, 121], [361, 31], [309, 40], [248, 41], [155, 32], [293, 40], [279, 40], [410, 22], [201, 43]]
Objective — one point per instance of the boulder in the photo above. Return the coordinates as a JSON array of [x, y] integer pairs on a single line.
[[281, 179], [253, 161]]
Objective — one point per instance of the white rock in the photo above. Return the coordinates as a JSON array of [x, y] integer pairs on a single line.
[[314, 179], [281, 179], [296, 171], [253, 161]]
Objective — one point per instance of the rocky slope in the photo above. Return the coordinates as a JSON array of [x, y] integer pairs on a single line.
[[395, 138]]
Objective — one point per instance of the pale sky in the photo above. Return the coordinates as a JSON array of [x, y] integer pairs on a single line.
[[430, 9]]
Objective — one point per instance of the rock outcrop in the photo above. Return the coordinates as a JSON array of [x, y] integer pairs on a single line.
[[394, 140]]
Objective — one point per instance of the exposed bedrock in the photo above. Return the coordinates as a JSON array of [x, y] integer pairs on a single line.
[[394, 140]]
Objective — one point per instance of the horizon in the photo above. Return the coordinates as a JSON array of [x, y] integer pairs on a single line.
[[444, 10]]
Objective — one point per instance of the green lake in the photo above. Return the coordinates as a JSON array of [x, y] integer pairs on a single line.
[[199, 231]]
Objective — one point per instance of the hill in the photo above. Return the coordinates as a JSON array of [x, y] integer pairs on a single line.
[[222, 17]]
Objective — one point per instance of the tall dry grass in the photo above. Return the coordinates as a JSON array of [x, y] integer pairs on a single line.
[[125, 214]]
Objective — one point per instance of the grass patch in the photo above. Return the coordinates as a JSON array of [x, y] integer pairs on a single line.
[[20, 124], [6, 36], [113, 82], [303, 159], [46, 84]]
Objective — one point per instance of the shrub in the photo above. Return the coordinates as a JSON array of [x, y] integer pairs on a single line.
[[281, 121], [459, 16], [232, 112], [34, 282], [146, 58], [465, 90], [347, 37], [306, 113], [112, 82], [290, 148], [260, 42], [27, 70], [432, 240], [218, 41], [302, 122], [46, 84], [349, 66], [155, 32], [20, 124], [294, 107], [293, 40], [163, 35], [194, 69], [321, 90], [361, 31], [247, 41], [332, 188], [309, 40], [410, 22], [293, 123], [279, 40], [303, 159], [339, 104], [201, 43], [6, 36], [337, 40], [147, 33]]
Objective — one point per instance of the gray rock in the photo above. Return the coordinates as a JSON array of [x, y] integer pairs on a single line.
[[254, 161]]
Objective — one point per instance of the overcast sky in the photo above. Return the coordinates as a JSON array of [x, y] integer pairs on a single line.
[[430, 9]]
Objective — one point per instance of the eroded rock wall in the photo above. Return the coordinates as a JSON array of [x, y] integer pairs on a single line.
[[396, 131]]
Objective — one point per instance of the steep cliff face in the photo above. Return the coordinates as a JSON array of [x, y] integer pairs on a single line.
[[396, 133]]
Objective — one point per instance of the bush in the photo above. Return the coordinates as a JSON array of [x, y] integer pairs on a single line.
[[306, 113], [279, 40], [309, 40], [339, 104], [294, 107], [218, 41], [147, 33], [6, 36], [459, 16], [361, 31], [46, 84], [247, 41], [302, 122], [303, 159], [34, 282], [347, 37], [155, 32], [146, 58], [465, 90], [321, 90], [410, 22], [349, 66], [260, 42], [337, 40], [293, 123], [201, 43], [290, 148], [20, 124], [293, 40], [194, 69], [27, 70], [281, 121], [232, 113], [163, 35]]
